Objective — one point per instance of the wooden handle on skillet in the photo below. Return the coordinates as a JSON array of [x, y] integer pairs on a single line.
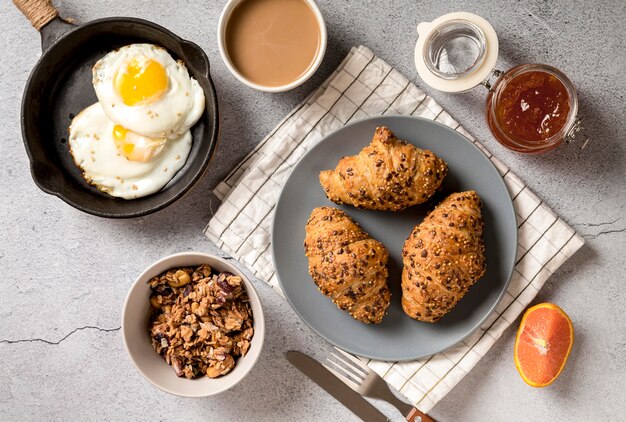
[[38, 12]]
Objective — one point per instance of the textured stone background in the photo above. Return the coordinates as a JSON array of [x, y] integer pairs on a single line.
[[65, 274]]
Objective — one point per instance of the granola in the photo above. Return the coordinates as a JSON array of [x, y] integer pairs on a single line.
[[200, 320]]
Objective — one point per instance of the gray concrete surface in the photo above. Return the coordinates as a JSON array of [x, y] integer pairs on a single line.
[[65, 274]]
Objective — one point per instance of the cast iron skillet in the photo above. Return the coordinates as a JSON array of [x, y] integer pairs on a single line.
[[59, 87]]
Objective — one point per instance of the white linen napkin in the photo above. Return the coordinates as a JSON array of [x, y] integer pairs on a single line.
[[364, 85]]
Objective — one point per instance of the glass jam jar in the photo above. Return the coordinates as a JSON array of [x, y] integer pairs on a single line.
[[531, 108]]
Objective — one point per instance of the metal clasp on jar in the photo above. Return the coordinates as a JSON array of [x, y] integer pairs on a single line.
[[495, 73], [576, 135]]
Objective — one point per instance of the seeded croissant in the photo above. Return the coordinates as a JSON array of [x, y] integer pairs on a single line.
[[388, 174], [443, 257], [347, 265]]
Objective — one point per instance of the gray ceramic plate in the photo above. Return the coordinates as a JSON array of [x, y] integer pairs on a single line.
[[398, 337]]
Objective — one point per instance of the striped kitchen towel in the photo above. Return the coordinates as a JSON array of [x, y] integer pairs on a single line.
[[364, 85]]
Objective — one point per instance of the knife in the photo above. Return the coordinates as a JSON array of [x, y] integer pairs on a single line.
[[335, 387]]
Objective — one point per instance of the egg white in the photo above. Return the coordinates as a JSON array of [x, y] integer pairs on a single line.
[[93, 149], [174, 113]]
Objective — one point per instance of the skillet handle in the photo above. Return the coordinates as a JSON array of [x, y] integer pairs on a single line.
[[38, 12], [195, 55]]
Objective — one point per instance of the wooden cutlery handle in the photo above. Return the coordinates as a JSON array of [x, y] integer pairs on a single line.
[[414, 414], [38, 12]]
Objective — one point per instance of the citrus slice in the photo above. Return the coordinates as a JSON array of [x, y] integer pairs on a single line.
[[543, 343]]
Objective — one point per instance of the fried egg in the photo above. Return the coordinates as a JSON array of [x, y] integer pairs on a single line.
[[142, 88], [121, 162]]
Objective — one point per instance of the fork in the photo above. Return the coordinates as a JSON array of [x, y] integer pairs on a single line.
[[362, 379]]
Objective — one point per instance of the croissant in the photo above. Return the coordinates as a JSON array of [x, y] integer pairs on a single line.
[[443, 257], [388, 174], [347, 265]]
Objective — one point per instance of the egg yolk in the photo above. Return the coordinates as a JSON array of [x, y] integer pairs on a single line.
[[136, 147], [142, 81]]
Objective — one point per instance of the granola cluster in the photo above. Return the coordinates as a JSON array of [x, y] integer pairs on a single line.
[[200, 320]]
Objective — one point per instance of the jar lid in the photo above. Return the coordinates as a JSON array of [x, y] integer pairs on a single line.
[[455, 52]]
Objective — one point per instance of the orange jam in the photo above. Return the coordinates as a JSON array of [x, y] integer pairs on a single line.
[[533, 106]]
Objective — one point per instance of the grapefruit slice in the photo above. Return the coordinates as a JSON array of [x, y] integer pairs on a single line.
[[543, 343]]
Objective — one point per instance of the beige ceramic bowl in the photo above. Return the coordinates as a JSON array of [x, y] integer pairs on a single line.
[[150, 364]]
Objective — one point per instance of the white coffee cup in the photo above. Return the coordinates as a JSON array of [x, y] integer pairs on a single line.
[[221, 42]]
